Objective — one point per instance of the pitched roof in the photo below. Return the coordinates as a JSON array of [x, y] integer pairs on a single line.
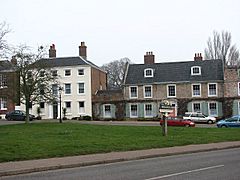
[[211, 70], [65, 61], [6, 66]]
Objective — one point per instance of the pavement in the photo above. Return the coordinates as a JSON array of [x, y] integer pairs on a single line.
[[29, 166]]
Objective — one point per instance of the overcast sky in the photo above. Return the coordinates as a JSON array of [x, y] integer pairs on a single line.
[[173, 29]]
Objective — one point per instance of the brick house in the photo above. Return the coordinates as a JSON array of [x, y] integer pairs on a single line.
[[80, 80], [189, 85], [8, 87], [196, 85], [231, 91]]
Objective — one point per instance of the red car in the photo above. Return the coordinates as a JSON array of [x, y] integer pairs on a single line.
[[174, 121]]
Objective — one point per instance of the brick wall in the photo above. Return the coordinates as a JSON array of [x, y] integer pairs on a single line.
[[98, 81]]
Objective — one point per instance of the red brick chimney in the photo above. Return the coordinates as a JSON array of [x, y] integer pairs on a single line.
[[149, 58], [52, 51], [198, 57], [14, 60], [83, 50]]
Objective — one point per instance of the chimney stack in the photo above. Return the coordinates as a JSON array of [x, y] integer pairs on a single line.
[[83, 50], [149, 58], [198, 57], [14, 60], [52, 51]]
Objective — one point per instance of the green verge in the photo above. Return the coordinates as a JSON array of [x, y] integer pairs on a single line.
[[45, 140]]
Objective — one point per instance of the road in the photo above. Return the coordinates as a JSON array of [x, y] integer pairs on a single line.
[[214, 165]]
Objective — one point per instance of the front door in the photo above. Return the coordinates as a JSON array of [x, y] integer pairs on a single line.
[[55, 110]]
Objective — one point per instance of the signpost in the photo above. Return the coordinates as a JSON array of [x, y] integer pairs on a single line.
[[164, 110]]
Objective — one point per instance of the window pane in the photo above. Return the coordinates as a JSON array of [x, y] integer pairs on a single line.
[[148, 109], [68, 104], [55, 89], [80, 88], [133, 110], [67, 88], [196, 107], [81, 72], [67, 72], [171, 91], [107, 111], [196, 90], [212, 89], [212, 109], [148, 91], [133, 91], [81, 107]]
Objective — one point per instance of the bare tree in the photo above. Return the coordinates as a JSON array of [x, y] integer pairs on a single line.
[[4, 30], [35, 78], [220, 47], [115, 72]]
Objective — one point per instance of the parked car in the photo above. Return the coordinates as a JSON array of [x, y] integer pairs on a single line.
[[175, 121], [18, 115], [233, 121], [198, 117]]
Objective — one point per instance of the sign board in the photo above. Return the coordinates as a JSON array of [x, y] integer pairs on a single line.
[[165, 110]]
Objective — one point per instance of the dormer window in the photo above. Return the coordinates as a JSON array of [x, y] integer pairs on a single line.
[[195, 70], [148, 72]]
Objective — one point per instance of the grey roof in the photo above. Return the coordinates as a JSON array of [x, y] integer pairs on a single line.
[[211, 70], [65, 61], [6, 66]]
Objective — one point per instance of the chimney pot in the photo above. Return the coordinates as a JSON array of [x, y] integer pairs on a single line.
[[149, 58], [198, 57], [52, 51]]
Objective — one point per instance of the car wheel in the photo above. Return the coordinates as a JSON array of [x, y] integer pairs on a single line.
[[187, 125], [223, 126], [210, 122]]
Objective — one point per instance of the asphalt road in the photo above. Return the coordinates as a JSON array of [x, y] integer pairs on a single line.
[[214, 165]]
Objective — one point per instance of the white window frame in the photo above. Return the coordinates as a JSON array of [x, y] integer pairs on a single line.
[[3, 101], [69, 71], [216, 108], [198, 84], [65, 89], [83, 109], [83, 88], [145, 113], [238, 107], [145, 72], [3, 81], [130, 109], [196, 103], [107, 115], [210, 95], [196, 74], [238, 88], [83, 71], [144, 91], [130, 94], [168, 90], [54, 72]]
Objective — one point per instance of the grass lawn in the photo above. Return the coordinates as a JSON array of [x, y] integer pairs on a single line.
[[44, 140]]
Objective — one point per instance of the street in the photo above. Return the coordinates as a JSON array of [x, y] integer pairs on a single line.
[[219, 165]]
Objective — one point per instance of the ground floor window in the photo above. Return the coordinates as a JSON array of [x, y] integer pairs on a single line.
[[212, 108], [3, 103], [148, 110], [81, 107], [133, 110], [196, 107], [107, 110]]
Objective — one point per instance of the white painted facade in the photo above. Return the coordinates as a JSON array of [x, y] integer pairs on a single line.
[[80, 103]]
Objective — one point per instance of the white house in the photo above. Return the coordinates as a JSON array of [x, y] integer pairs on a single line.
[[79, 80]]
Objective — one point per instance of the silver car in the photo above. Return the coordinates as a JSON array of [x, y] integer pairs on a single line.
[[198, 117]]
